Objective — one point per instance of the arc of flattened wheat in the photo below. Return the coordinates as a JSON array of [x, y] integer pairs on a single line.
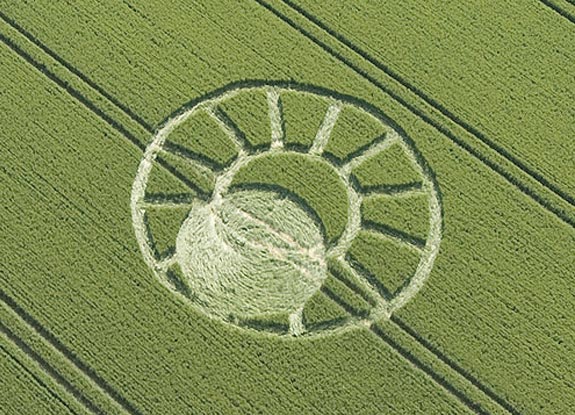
[[383, 308]]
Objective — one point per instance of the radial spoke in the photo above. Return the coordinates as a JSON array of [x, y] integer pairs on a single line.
[[358, 283], [402, 238], [296, 326], [324, 132], [164, 204], [275, 118], [375, 148], [164, 264], [224, 122]]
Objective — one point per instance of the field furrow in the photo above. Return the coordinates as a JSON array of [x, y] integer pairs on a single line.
[[27, 388], [58, 362]]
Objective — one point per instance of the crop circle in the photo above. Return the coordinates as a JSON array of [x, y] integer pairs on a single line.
[[286, 209]]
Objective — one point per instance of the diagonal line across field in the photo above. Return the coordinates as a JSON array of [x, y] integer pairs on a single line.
[[465, 136], [453, 365], [51, 371], [431, 101], [476, 396], [487, 393], [95, 394], [559, 10], [82, 89], [419, 364], [88, 388], [76, 72], [7, 349], [89, 104]]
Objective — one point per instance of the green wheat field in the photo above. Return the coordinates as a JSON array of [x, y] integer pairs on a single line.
[[287, 207]]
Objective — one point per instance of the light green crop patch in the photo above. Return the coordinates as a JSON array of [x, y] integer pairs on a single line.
[[249, 113], [388, 170], [201, 136], [408, 214], [275, 244], [163, 186], [195, 175], [302, 116], [353, 131], [163, 226], [389, 263]]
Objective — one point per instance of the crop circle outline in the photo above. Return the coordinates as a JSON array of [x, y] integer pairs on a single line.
[[429, 252]]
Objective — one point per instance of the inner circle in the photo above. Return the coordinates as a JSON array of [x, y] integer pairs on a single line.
[[255, 252]]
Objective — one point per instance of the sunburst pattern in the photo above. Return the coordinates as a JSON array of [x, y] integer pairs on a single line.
[[380, 257]]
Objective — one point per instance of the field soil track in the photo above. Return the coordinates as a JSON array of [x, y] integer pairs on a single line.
[[529, 185], [26, 388]]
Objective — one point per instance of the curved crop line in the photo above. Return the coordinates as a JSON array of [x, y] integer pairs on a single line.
[[287, 194], [151, 152], [559, 212], [431, 248], [324, 132], [275, 114], [91, 106], [430, 251]]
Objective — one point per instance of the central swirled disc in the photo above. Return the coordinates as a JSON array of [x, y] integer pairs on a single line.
[[255, 252]]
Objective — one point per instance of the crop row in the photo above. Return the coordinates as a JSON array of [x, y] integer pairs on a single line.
[[26, 389], [314, 181], [58, 374]]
